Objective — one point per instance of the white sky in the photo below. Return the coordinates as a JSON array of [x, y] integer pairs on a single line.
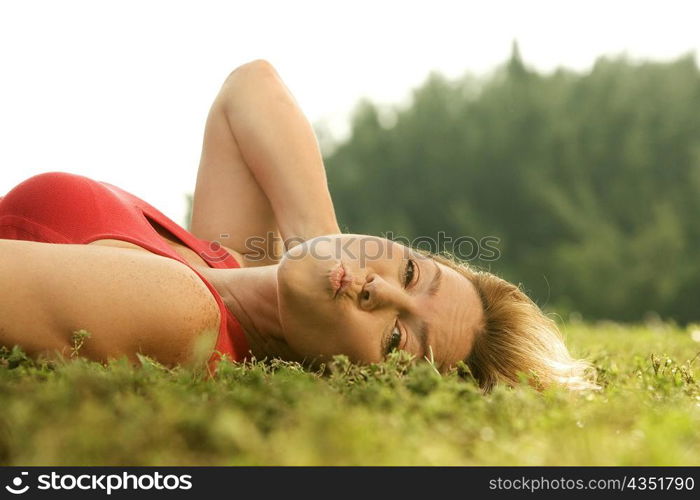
[[119, 90]]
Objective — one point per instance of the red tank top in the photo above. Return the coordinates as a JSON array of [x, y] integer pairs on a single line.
[[58, 207]]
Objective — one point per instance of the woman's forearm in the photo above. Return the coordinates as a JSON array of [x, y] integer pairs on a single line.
[[281, 150]]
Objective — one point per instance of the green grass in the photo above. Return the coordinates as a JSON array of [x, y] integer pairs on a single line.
[[78, 412]]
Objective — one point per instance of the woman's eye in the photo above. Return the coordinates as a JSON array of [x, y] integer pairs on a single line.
[[394, 340], [409, 272]]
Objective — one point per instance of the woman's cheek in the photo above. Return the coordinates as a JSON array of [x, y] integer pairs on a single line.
[[356, 339], [306, 328], [321, 337]]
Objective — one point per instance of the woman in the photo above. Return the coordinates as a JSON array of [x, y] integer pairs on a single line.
[[264, 272]]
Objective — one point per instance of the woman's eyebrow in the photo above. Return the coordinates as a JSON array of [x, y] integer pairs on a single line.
[[436, 281]]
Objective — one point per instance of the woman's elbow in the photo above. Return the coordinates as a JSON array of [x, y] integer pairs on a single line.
[[257, 69]]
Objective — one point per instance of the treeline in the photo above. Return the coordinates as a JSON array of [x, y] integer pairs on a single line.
[[591, 182]]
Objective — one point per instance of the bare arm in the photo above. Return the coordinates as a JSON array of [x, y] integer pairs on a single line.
[[261, 168], [130, 301]]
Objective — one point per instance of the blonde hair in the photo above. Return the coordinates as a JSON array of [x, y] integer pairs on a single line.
[[516, 337]]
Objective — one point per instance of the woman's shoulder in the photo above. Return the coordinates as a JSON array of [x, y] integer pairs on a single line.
[[181, 312], [131, 301], [177, 310], [178, 287]]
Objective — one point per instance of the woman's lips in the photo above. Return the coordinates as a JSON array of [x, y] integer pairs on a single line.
[[340, 280]]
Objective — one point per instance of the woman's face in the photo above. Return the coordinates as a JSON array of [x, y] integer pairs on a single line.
[[364, 296]]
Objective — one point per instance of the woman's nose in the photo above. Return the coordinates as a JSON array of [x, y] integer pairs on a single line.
[[378, 293]]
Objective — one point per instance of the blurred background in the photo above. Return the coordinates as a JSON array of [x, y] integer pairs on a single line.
[[570, 131]]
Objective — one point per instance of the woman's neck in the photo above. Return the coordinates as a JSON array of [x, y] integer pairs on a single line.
[[251, 295]]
